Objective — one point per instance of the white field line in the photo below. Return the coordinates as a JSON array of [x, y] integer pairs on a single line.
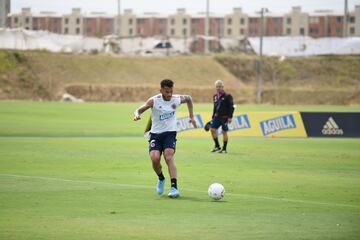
[[123, 185]]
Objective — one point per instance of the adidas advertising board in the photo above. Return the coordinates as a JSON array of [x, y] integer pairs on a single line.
[[331, 124], [331, 128]]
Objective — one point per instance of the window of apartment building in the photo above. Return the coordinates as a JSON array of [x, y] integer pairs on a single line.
[[66, 21], [352, 19], [130, 21], [172, 32], [229, 31], [252, 20], [314, 30], [329, 30], [229, 21], [172, 21], [302, 31], [288, 31], [162, 31], [193, 32], [140, 21], [78, 21], [130, 32], [352, 30], [242, 31], [277, 20], [27, 20], [16, 20], [314, 20], [339, 19], [184, 21], [253, 31], [288, 20], [277, 31], [66, 30], [339, 30], [184, 31], [77, 30], [242, 21], [195, 21], [162, 21]]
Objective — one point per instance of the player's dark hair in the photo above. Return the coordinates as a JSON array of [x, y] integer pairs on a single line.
[[166, 83]]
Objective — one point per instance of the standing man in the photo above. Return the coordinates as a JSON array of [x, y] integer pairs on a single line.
[[222, 115], [163, 131]]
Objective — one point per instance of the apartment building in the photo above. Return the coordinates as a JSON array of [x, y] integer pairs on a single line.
[[236, 25], [128, 23], [296, 23], [274, 25], [354, 22], [98, 24], [49, 21], [5, 6], [179, 25], [72, 23], [23, 19], [317, 24], [216, 31]]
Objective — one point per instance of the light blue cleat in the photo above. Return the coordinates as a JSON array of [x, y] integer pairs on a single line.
[[160, 187], [174, 193]]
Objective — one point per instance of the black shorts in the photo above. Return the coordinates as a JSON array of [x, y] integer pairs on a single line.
[[161, 141], [216, 122]]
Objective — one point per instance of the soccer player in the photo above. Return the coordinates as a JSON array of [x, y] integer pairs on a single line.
[[163, 131], [222, 116]]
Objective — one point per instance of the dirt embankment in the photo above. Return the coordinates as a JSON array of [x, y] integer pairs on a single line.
[[311, 80], [42, 75]]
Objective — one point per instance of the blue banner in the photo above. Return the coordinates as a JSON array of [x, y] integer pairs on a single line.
[[277, 124], [183, 123]]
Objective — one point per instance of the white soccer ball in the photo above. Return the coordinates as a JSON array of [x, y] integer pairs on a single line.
[[216, 191]]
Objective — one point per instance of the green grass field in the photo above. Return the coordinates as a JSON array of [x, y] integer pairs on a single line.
[[82, 171]]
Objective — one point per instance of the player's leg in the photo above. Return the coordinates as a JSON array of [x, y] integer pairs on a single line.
[[169, 152], [215, 124], [155, 156], [224, 126], [169, 159], [155, 149]]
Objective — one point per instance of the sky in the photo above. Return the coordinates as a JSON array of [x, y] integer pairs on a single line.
[[170, 6]]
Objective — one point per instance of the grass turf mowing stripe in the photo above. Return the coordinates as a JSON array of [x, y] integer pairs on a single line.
[[122, 185]]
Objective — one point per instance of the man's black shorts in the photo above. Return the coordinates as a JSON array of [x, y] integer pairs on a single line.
[[161, 141], [217, 122]]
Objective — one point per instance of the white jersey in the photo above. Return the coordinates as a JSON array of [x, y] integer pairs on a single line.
[[163, 115]]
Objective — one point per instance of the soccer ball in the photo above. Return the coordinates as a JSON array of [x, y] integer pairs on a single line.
[[216, 191]]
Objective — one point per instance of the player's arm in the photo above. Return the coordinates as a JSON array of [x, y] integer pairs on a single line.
[[214, 108], [148, 104], [231, 108], [188, 100]]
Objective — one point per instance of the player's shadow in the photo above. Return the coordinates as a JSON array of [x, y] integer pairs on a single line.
[[193, 199]]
